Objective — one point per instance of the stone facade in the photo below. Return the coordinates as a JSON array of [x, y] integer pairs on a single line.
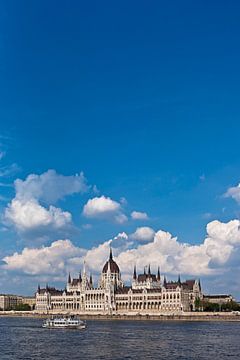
[[9, 302], [147, 294]]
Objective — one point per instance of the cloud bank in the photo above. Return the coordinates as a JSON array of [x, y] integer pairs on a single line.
[[214, 256]]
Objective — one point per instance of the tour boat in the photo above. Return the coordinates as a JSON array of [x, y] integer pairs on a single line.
[[64, 323]]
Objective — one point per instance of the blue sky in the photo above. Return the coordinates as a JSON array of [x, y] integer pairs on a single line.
[[144, 100]]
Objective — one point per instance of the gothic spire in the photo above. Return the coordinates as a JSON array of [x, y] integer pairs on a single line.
[[149, 270], [80, 276], [110, 254], [69, 278], [164, 281], [158, 274], [179, 279], [134, 273], [91, 280], [199, 284]]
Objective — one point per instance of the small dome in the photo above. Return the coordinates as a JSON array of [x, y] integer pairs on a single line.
[[113, 265]]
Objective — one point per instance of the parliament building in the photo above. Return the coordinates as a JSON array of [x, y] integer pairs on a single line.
[[148, 294]]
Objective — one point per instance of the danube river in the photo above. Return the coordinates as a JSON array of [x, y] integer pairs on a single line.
[[24, 339]]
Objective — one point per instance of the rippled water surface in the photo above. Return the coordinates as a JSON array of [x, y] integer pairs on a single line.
[[22, 338]]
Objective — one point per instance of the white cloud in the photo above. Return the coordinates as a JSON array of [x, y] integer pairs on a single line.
[[26, 211], [234, 192], [143, 234], [215, 256], [104, 207], [49, 186], [121, 218], [100, 205], [30, 215], [51, 260], [137, 215]]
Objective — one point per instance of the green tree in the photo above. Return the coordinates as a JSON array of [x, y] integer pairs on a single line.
[[22, 307]]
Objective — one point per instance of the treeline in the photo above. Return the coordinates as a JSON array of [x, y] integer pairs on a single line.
[[203, 305], [19, 307]]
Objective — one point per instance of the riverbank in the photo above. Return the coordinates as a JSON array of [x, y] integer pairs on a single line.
[[210, 316]]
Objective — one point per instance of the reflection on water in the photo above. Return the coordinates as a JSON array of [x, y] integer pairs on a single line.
[[24, 339]]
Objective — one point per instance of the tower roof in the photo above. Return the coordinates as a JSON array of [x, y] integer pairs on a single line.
[[112, 264], [158, 274], [134, 273]]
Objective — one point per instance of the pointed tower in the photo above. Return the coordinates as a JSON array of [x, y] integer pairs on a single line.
[[149, 271], [164, 281], [179, 280], [84, 277], [69, 278], [91, 281], [134, 273], [39, 289], [158, 275], [110, 254], [80, 276]]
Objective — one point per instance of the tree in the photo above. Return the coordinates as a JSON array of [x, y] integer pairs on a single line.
[[198, 304], [22, 307]]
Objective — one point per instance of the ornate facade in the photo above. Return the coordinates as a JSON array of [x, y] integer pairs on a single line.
[[149, 293]]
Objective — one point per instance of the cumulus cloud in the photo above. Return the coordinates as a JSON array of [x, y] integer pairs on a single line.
[[137, 215], [215, 255], [143, 234], [50, 260], [104, 207], [32, 210], [49, 186], [30, 215], [234, 192]]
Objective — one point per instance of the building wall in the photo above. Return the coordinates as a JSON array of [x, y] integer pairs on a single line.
[[8, 302], [147, 294]]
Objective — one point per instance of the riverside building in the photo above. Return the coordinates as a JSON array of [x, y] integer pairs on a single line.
[[148, 293]]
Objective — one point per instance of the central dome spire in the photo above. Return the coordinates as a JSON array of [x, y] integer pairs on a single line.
[[112, 264]]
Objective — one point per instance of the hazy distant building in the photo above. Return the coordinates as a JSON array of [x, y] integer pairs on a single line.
[[218, 299], [148, 293], [9, 302]]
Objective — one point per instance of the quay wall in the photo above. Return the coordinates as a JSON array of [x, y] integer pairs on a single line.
[[191, 316]]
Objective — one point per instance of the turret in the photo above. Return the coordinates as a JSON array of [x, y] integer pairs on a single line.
[[179, 280], [80, 276], [164, 281], [149, 270], [158, 274], [69, 279], [134, 273]]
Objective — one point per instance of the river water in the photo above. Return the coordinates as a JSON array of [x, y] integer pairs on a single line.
[[25, 339]]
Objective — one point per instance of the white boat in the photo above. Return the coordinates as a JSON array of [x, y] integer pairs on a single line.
[[64, 323]]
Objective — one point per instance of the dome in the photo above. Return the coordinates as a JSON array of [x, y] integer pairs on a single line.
[[113, 265]]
